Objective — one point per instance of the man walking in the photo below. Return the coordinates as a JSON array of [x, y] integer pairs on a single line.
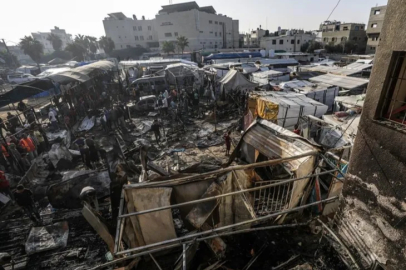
[[23, 198], [227, 140], [155, 129]]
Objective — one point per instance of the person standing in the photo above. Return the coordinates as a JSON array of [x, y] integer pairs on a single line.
[[23, 198], [34, 140], [13, 120], [85, 154], [53, 120], [227, 140], [5, 185], [196, 102], [41, 141], [29, 146], [93, 153], [155, 128]]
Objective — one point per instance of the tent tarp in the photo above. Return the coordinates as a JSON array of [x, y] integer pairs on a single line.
[[25, 90], [234, 80], [267, 110]]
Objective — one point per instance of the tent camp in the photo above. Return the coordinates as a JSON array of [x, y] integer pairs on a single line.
[[283, 108], [234, 80]]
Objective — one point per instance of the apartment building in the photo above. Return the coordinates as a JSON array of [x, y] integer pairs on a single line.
[[374, 28], [202, 26], [42, 37], [289, 41], [253, 39], [337, 33], [130, 32]]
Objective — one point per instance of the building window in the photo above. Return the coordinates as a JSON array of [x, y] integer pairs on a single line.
[[211, 22], [281, 42], [394, 105], [220, 23], [141, 37], [215, 34], [362, 28], [135, 28], [168, 34], [139, 28], [292, 41], [136, 38], [372, 48], [345, 28], [343, 39], [211, 32], [176, 34], [149, 28], [325, 39], [298, 41], [150, 37], [354, 38], [274, 42], [377, 12], [220, 34], [216, 22], [357, 27], [374, 25]]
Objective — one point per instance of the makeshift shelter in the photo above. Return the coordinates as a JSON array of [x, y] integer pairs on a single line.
[[175, 74], [25, 90], [235, 81], [283, 108], [265, 77], [320, 92], [355, 85]]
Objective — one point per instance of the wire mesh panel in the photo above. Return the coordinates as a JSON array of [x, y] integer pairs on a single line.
[[272, 199]]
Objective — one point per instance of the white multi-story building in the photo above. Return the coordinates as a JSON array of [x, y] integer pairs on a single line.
[[289, 41], [253, 39], [130, 32], [43, 38], [202, 26]]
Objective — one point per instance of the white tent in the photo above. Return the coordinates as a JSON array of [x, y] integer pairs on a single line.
[[234, 80]]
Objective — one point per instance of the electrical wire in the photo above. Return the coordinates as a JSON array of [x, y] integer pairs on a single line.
[[333, 10]]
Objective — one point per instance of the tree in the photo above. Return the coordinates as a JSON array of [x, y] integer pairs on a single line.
[[168, 47], [77, 50], [311, 46], [182, 42], [56, 41], [33, 48], [92, 41], [107, 44], [305, 46], [9, 59]]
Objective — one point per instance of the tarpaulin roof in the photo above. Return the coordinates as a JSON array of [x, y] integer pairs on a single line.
[[57, 61], [25, 90], [234, 80], [82, 73], [340, 81]]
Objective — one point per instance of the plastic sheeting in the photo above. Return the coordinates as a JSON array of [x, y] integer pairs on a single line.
[[234, 80], [267, 109], [87, 123], [47, 238], [59, 152]]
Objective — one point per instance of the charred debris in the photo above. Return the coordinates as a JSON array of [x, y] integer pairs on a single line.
[[176, 201]]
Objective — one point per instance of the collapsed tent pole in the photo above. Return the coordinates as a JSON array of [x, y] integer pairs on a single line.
[[120, 224], [263, 218], [201, 177], [155, 261], [184, 257], [216, 235], [223, 195]]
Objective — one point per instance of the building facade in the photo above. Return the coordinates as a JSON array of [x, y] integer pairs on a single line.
[[377, 183], [337, 33], [374, 28], [202, 26], [61, 33], [253, 39], [290, 42], [130, 32]]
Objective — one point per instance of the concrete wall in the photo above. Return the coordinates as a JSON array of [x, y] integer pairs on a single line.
[[379, 154], [42, 37], [374, 33]]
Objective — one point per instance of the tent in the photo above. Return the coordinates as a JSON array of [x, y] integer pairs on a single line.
[[25, 90], [234, 80], [285, 109], [57, 61]]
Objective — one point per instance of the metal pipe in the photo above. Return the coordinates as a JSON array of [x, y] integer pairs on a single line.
[[184, 257], [339, 241], [222, 195], [199, 240], [186, 237], [119, 229], [201, 177], [155, 261]]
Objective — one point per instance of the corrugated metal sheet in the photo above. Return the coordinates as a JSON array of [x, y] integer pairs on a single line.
[[340, 81], [334, 70], [358, 66], [271, 143]]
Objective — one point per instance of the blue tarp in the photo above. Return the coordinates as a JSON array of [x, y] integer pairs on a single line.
[[232, 55]]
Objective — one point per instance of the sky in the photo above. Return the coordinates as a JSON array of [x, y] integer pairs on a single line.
[[20, 18]]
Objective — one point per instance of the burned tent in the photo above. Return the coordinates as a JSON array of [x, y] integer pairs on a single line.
[[235, 81], [178, 74]]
